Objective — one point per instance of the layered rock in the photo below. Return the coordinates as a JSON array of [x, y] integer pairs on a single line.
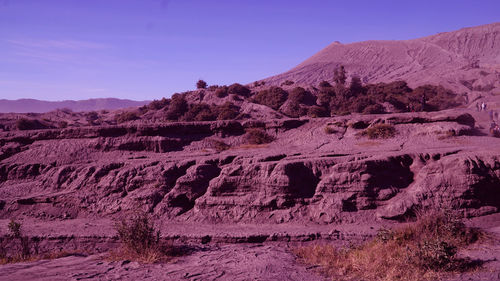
[[435, 160]]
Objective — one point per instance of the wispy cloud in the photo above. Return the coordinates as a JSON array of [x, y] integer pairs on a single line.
[[59, 51]]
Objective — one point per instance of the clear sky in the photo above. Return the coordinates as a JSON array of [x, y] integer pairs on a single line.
[[148, 49]]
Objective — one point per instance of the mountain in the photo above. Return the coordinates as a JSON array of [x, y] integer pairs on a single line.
[[467, 60], [39, 106]]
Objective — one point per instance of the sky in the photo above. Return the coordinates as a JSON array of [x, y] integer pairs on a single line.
[[149, 49]]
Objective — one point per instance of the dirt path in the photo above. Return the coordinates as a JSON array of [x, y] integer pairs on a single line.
[[272, 261]]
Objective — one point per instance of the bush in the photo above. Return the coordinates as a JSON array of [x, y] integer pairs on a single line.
[[201, 84], [424, 250], [219, 145], [380, 131], [299, 95], [221, 92], [374, 109], [317, 111], [140, 240], [29, 124], [199, 112], [126, 116], [257, 136], [325, 84], [274, 97], [227, 111], [238, 89], [287, 83], [329, 130], [62, 124], [356, 87], [178, 106], [159, 104]]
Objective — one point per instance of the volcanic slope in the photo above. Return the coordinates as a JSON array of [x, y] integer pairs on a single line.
[[466, 60]]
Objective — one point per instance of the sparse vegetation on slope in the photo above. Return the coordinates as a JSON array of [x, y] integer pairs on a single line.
[[140, 240], [423, 250]]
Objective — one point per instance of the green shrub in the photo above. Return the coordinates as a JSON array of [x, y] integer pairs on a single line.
[[159, 104], [238, 89], [329, 130], [257, 136], [325, 84], [126, 116], [199, 112], [227, 111], [178, 107], [287, 83], [374, 109], [140, 240], [423, 250], [29, 124], [317, 111], [201, 84], [380, 131], [274, 97], [221, 92]]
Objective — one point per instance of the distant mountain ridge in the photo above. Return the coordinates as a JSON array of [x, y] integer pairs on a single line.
[[40, 106], [466, 60]]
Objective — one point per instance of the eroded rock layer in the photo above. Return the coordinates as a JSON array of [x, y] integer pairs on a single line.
[[176, 172]]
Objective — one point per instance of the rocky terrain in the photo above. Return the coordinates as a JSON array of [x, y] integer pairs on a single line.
[[242, 191]]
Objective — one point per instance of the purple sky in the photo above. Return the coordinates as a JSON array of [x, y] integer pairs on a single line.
[[148, 49]]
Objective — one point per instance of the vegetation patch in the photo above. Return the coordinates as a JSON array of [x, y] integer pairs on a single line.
[[423, 250], [257, 136], [141, 241], [380, 131]]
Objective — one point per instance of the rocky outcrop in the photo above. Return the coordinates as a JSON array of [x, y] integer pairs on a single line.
[[306, 174]]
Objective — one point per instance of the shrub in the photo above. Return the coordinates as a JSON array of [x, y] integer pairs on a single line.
[[317, 111], [159, 104], [257, 136], [140, 239], [339, 75], [299, 95], [374, 109], [221, 92], [356, 87], [259, 83], [201, 84], [126, 116], [199, 112], [274, 97], [238, 89], [380, 131], [219, 145], [213, 87], [424, 250], [325, 84], [287, 83], [329, 130], [227, 111], [62, 124], [178, 106], [29, 124]]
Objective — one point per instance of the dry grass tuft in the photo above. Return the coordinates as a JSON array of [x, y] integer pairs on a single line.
[[424, 250], [329, 130]]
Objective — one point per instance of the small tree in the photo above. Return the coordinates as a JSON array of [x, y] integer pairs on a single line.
[[339, 75], [356, 87], [201, 84]]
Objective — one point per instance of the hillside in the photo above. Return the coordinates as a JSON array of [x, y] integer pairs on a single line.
[[466, 61]]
